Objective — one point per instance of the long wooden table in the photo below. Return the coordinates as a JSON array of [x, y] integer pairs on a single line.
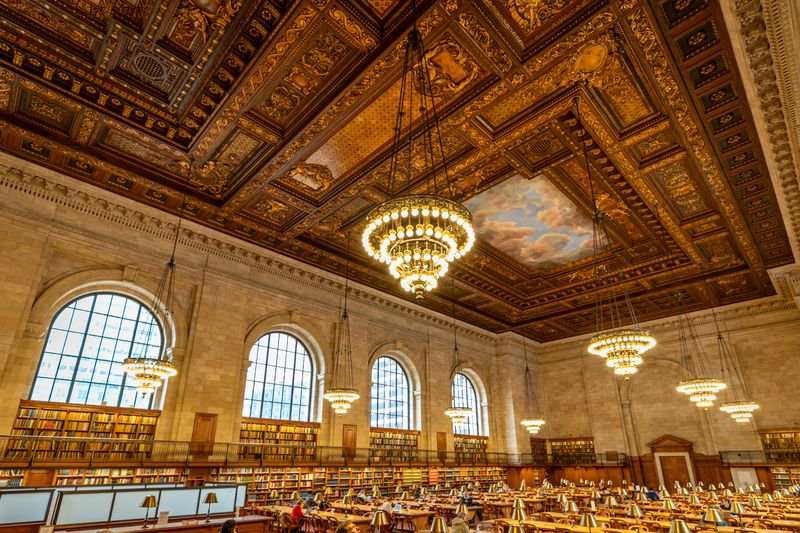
[[418, 517], [361, 522], [661, 514], [244, 524], [552, 526]]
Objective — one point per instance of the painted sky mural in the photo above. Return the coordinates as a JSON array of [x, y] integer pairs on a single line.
[[532, 221]]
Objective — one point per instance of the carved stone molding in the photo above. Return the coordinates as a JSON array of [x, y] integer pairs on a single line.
[[771, 53]]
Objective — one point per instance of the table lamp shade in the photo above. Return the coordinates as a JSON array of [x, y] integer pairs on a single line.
[[669, 504], [755, 503], [376, 492], [518, 503], [712, 487], [694, 499], [712, 495], [678, 526], [634, 511], [404, 495], [592, 505], [596, 495], [518, 514], [571, 508], [379, 519], [439, 525], [211, 497], [664, 493], [398, 489], [728, 493], [349, 493], [295, 496], [347, 500], [639, 497], [149, 502], [452, 492], [462, 508], [515, 528], [562, 498], [274, 495], [769, 497], [738, 508], [713, 516], [328, 491], [318, 497], [588, 520], [610, 501]]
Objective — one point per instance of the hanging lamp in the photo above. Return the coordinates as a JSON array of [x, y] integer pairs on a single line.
[[342, 393], [148, 373], [740, 408], [702, 391], [532, 423], [621, 347], [457, 413], [417, 236]]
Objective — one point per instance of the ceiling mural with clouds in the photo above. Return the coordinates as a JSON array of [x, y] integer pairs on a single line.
[[532, 221]]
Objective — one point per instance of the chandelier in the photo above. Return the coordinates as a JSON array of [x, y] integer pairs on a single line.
[[621, 347], [702, 391], [148, 373], [532, 423], [417, 236], [741, 408], [342, 393], [458, 413]]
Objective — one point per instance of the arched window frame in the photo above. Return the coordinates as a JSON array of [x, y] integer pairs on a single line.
[[154, 349], [252, 368], [478, 421], [378, 421]]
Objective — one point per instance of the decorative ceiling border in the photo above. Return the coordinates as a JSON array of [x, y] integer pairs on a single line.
[[44, 184], [768, 52]]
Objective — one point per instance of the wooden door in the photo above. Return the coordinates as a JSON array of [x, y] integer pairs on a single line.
[[349, 434], [674, 468], [441, 445], [203, 434]]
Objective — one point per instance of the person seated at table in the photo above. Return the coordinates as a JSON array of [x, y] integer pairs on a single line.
[[651, 495], [297, 517], [228, 526], [310, 502], [505, 488], [725, 503], [417, 493], [361, 497], [347, 527], [459, 524], [467, 500], [387, 506]]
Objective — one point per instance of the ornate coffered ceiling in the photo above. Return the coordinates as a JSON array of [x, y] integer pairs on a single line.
[[271, 121]]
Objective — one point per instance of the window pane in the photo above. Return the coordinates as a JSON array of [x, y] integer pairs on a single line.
[[278, 359], [390, 395], [464, 395], [87, 342]]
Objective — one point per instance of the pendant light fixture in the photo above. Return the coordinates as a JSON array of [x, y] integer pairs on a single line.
[[342, 393], [740, 408], [621, 347], [531, 422], [148, 373], [702, 390], [417, 236], [457, 413]]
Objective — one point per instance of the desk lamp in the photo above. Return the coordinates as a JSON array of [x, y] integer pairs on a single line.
[[149, 502], [211, 497]]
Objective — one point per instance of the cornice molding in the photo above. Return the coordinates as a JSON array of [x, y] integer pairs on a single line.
[[18, 175], [770, 53]]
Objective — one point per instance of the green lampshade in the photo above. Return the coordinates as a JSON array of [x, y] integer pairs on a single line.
[[738, 508], [379, 519], [452, 492], [728, 493], [347, 500], [693, 499], [149, 502], [678, 526], [404, 496], [639, 497], [211, 497], [376, 492], [730, 484], [669, 504], [295, 496], [518, 514], [777, 494], [562, 499], [398, 489], [610, 501], [519, 503], [634, 511], [713, 516], [596, 495], [515, 528], [439, 525], [712, 487], [274, 495], [712, 495], [588, 520], [328, 491], [592, 505], [462, 508], [740, 490], [571, 508], [755, 503], [769, 497]]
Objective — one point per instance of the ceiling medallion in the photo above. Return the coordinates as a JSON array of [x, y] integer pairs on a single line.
[[418, 235], [621, 347]]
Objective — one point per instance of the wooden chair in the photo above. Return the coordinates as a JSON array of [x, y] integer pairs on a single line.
[[563, 530], [603, 513], [546, 517], [639, 528], [616, 523], [652, 525], [759, 523], [530, 528]]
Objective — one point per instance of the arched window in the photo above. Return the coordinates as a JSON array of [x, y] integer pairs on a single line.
[[87, 342], [390, 396], [464, 394], [279, 379]]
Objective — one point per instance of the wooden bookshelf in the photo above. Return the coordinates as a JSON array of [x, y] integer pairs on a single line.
[[574, 450], [290, 441], [48, 419], [781, 445], [393, 444], [118, 476], [785, 477], [470, 448], [11, 477]]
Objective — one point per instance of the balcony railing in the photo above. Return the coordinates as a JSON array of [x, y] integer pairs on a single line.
[[769, 456], [26, 450]]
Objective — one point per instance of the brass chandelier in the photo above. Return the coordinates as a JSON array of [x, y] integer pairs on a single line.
[[531, 422], [703, 390], [741, 408], [418, 235], [458, 413], [149, 373], [622, 347], [342, 393]]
